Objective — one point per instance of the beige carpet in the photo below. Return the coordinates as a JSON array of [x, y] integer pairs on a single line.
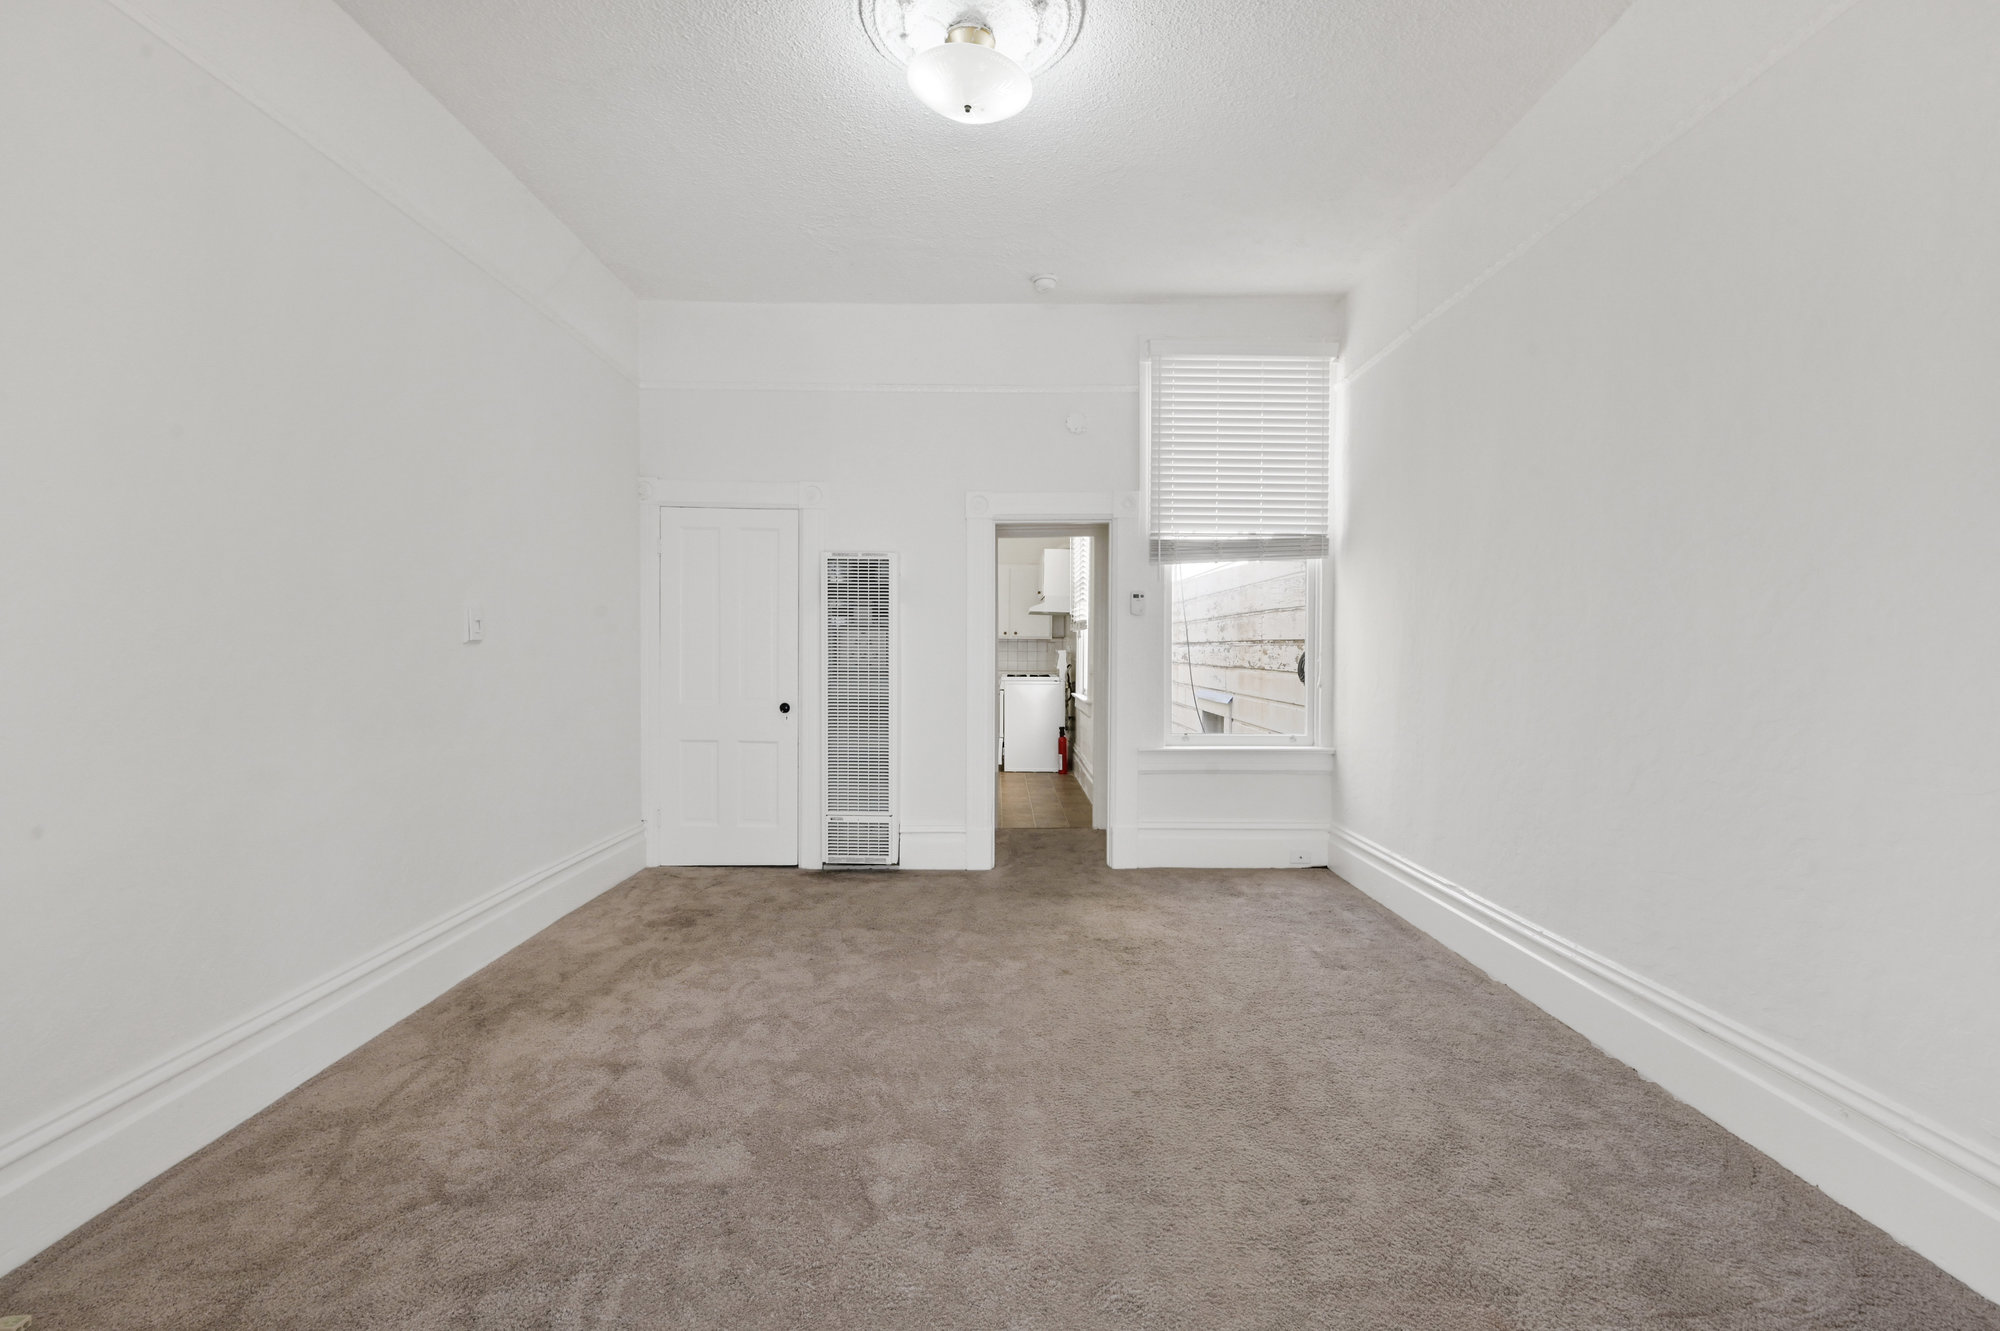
[[1046, 1097]]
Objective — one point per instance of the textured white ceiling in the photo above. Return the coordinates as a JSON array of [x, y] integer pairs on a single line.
[[763, 149]]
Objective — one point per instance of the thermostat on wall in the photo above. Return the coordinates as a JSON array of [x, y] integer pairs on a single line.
[[1138, 603]]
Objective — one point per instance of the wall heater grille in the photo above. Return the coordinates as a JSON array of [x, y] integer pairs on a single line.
[[860, 709]]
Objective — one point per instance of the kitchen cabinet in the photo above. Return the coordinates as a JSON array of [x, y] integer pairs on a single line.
[[1020, 586]]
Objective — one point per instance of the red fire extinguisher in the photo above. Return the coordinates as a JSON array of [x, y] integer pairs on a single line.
[[1062, 751]]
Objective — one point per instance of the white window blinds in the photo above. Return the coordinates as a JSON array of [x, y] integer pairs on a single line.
[[1079, 579], [1238, 458]]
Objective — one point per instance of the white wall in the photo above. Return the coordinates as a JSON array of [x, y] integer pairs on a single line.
[[903, 411], [1666, 575], [290, 370]]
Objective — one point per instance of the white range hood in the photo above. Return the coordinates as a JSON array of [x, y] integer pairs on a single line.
[[1055, 584]]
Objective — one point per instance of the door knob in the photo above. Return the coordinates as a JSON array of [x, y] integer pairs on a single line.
[[784, 707]]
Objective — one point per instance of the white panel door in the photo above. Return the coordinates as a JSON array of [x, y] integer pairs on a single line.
[[729, 686]]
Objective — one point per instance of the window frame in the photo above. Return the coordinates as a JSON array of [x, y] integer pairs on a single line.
[[1318, 570], [1315, 682]]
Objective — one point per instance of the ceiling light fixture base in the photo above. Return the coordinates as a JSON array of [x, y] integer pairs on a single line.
[[1034, 34]]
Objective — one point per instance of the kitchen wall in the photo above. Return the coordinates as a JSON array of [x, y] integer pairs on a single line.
[[1027, 655], [902, 411], [1665, 673], [291, 371], [1035, 654]]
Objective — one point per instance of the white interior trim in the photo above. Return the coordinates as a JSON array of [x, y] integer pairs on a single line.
[[809, 498], [1241, 346], [1232, 845], [985, 513], [1086, 777], [1219, 759], [769, 386], [59, 1172], [1929, 1187], [931, 848]]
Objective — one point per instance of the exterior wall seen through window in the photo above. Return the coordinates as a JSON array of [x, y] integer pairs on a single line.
[[1239, 635]]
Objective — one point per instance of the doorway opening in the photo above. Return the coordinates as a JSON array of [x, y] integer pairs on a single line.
[[1050, 685]]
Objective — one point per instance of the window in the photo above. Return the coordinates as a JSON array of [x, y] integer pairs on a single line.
[[1079, 611], [1237, 471], [1237, 648]]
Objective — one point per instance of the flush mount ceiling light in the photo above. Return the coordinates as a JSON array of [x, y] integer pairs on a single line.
[[974, 66], [967, 80]]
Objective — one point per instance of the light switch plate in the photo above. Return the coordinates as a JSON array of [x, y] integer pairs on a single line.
[[475, 622]]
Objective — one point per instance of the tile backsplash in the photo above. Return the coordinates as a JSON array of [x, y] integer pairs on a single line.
[[1034, 655]]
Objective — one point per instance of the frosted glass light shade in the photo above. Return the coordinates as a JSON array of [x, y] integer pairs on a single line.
[[969, 83]]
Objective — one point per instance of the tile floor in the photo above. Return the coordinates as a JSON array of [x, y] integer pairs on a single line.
[[1042, 799]]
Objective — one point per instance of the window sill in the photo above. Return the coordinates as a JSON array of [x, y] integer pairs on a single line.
[[1254, 759]]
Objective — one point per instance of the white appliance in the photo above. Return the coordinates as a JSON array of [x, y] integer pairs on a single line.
[[1031, 714], [860, 709]]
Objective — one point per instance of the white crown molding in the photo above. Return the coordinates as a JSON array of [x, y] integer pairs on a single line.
[[1157, 347], [737, 386], [63, 1169], [1928, 1186], [539, 298]]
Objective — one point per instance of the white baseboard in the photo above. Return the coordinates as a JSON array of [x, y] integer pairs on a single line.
[[1218, 846], [1927, 1186], [61, 1171], [931, 848]]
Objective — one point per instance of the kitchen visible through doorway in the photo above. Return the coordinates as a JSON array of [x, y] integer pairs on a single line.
[[1049, 685]]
